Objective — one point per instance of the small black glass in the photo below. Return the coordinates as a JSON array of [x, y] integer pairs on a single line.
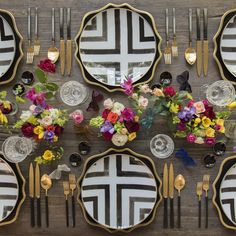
[[165, 78], [75, 159], [18, 89], [209, 161], [84, 148], [219, 148], [27, 78]]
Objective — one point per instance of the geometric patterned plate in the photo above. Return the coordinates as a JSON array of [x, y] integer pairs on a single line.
[[224, 188], [10, 47], [12, 191], [225, 46], [117, 42], [119, 190]]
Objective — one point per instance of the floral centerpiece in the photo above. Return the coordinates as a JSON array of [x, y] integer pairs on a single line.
[[199, 123], [117, 123], [41, 121]]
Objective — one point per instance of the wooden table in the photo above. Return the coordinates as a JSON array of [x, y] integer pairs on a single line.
[[70, 139]]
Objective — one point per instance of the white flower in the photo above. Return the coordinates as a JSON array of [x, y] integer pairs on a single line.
[[135, 96], [25, 115], [32, 108], [46, 121], [143, 102], [108, 104], [199, 140], [119, 139], [118, 108], [54, 113], [145, 88]]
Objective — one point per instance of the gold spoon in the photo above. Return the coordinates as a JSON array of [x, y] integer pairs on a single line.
[[46, 184], [190, 53], [179, 185], [53, 52]]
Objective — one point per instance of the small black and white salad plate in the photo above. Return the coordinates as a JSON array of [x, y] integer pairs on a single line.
[[119, 190]]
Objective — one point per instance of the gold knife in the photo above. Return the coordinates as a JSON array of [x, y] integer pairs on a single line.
[[199, 44], [165, 195], [171, 194], [31, 193], [37, 194], [62, 42], [68, 44], [205, 42]]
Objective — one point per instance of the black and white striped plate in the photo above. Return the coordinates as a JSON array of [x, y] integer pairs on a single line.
[[119, 190], [10, 47], [12, 191], [117, 42], [224, 188]]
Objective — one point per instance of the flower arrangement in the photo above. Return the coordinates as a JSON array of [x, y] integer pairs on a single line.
[[199, 123], [50, 155], [6, 108], [41, 121], [117, 123]]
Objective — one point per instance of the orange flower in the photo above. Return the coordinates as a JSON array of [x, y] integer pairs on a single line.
[[112, 117]]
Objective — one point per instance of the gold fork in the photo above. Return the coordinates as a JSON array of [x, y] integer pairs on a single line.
[[66, 188], [199, 194], [36, 39], [167, 50], [205, 186], [30, 50], [72, 181], [174, 43]]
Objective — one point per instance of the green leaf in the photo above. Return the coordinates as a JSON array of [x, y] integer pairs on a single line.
[[42, 77], [49, 95], [38, 88], [52, 86], [3, 94], [20, 99]]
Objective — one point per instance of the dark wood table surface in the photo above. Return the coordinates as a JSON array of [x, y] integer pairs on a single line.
[[70, 138]]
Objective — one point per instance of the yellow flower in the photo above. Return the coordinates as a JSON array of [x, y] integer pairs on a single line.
[[232, 105], [158, 92], [210, 132], [55, 138], [7, 105], [174, 108], [206, 122], [197, 121], [222, 129], [136, 118], [48, 155], [132, 136], [39, 130], [3, 118], [220, 122]]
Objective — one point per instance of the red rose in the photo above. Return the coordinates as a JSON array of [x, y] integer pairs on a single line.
[[132, 126], [105, 113], [51, 128], [27, 130], [107, 136], [209, 112], [58, 130], [47, 66], [4, 110], [169, 91]]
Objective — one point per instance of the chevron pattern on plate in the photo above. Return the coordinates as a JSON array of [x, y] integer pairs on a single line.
[[8, 190], [115, 44], [228, 45], [119, 191], [7, 46], [228, 194]]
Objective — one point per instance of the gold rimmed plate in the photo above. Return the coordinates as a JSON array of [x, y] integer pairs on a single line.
[[117, 42], [119, 190], [10, 47], [224, 188], [225, 46], [12, 191]]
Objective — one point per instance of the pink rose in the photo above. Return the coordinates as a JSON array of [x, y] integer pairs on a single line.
[[46, 121], [210, 141], [47, 66], [142, 102], [200, 108], [191, 138], [108, 104], [77, 116], [190, 103]]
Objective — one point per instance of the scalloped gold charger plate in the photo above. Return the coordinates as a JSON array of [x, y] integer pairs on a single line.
[[119, 190]]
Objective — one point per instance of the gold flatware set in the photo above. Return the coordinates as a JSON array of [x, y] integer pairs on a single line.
[[169, 184]]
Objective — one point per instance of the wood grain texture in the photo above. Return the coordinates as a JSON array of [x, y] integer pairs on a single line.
[[71, 139]]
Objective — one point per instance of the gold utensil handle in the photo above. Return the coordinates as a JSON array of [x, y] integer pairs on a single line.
[[205, 57], [62, 56], [199, 57], [68, 56]]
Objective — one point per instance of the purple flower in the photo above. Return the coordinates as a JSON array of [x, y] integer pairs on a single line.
[[107, 127], [181, 126], [38, 110], [128, 87], [127, 115], [48, 135], [234, 149], [187, 114]]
